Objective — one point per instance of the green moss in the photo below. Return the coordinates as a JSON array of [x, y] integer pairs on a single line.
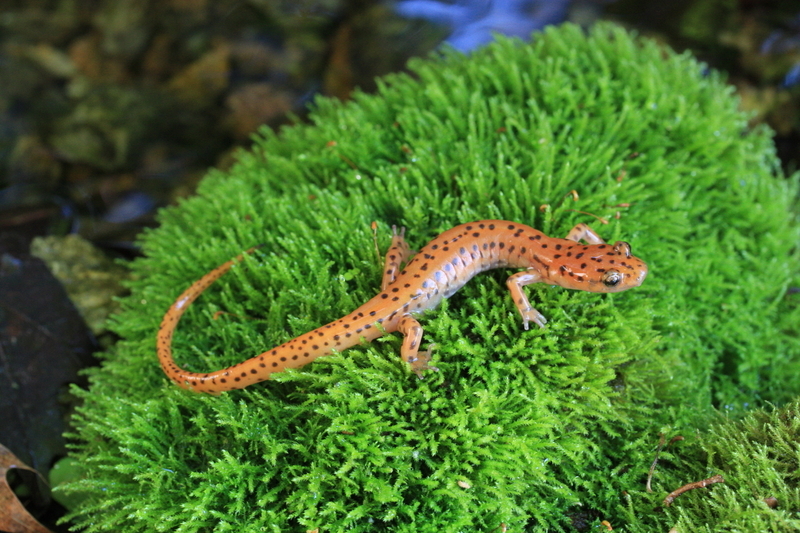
[[538, 430], [757, 458]]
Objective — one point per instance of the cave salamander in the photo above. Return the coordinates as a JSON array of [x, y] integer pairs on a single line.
[[437, 271]]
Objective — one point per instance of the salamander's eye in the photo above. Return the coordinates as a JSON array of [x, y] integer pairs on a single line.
[[622, 248], [612, 278]]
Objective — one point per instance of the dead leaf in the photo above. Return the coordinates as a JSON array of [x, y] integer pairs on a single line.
[[14, 518]]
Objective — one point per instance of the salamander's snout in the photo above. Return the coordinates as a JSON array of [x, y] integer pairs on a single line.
[[642, 273]]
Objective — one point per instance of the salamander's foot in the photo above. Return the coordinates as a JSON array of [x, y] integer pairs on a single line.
[[532, 315], [421, 361]]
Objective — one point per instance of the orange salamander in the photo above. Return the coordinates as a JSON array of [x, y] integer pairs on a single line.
[[437, 271]]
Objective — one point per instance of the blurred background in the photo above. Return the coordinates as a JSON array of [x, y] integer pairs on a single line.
[[110, 109]]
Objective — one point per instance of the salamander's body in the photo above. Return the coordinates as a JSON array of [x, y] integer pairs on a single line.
[[437, 271]]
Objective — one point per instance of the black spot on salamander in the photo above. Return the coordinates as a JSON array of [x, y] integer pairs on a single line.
[[407, 285], [601, 247], [511, 248], [476, 234], [501, 245], [544, 246], [367, 326], [569, 254], [384, 295], [558, 246], [523, 250], [557, 256], [492, 244], [434, 246], [348, 334], [469, 228], [600, 270], [583, 265], [481, 226], [395, 298], [304, 341], [274, 352], [396, 289], [346, 326], [336, 337], [578, 256], [511, 226], [424, 267], [446, 249], [315, 347], [491, 226], [372, 313], [428, 256], [294, 358], [562, 268]]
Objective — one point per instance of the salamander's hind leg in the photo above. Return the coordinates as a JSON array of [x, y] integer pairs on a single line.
[[582, 231], [409, 351], [398, 253]]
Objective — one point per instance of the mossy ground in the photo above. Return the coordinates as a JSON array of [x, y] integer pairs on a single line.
[[540, 430]]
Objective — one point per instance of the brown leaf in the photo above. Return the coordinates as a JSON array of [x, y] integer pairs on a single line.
[[14, 518]]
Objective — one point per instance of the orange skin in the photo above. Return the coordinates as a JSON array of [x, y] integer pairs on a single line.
[[437, 271]]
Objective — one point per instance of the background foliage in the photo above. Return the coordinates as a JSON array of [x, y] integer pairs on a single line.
[[537, 430]]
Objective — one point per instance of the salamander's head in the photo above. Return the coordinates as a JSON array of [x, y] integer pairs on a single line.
[[598, 268]]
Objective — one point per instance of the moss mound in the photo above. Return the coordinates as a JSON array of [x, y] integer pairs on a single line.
[[536, 430]]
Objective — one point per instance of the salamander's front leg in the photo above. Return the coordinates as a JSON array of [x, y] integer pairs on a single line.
[[409, 351], [398, 253], [515, 282], [582, 231]]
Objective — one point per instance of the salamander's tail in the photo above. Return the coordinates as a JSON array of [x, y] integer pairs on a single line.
[[180, 376]]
